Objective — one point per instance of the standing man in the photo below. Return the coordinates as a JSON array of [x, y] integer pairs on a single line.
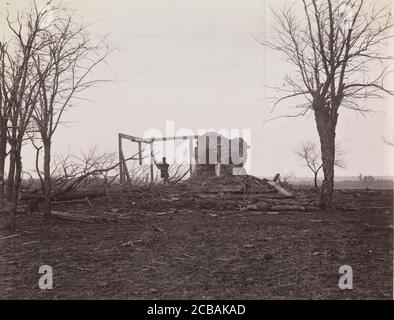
[[163, 167]]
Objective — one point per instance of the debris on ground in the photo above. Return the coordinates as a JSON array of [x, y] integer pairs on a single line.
[[226, 193]]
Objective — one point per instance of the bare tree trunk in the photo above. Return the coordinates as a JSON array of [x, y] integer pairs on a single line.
[[11, 175], [47, 179], [14, 197], [316, 180], [3, 155], [12, 163], [326, 124], [328, 158]]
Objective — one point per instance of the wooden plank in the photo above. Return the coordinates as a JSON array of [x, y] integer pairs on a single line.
[[121, 173]]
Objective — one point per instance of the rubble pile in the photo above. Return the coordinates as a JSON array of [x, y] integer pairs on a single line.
[[214, 193], [221, 194]]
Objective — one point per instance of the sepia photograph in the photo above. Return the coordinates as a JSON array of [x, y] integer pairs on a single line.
[[206, 151]]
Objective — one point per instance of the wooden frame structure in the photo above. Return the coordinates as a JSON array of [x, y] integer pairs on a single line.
[[123, 170]]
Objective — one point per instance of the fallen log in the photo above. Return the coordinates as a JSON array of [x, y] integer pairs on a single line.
[[225, 189], [256, 196], [280, 189], [74, 201], [79, 217], [74, 195], [288, 208]]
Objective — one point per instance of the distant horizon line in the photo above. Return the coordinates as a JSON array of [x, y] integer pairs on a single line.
[[388, 176]]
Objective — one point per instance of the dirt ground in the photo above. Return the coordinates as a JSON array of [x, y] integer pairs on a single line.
[[203, 254]]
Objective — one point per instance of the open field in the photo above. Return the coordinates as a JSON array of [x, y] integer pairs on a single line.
[[349, 184], [204, 254], [376, 185]]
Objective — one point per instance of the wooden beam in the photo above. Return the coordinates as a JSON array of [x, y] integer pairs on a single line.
[[148, 141], [174, 138], [151, 162], [140, 153], [134, 139], [219, 150], [121, 173], [125, 168], [191, 155], [207, 150]]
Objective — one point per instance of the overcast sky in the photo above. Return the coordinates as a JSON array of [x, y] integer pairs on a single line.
[[197, 63]]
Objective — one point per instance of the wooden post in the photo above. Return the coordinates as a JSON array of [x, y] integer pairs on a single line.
[[230, 161], [121, 173], [140, 153], [207, 150], [219, 154], [191, 155], [126, 173], [151, 162]]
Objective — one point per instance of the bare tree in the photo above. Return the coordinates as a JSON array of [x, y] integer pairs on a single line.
[[312, 157], [71, 172], [63, 68], [3, 122], [75, 174], [337, 49], [43, 66], [19, 96]]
